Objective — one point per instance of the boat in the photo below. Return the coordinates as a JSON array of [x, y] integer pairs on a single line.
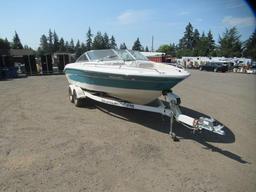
[[123, 74]]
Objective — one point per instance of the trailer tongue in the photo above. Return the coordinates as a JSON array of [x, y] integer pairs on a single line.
[[169, 107]]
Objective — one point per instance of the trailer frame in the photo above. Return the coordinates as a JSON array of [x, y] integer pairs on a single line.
[[169, 107]]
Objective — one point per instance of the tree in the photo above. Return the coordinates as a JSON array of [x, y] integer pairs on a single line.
[[55, 42], [67, 46], [165, 49], [4, 44], [187, 41], [112, 42], [83, 48], [98, 41], [197, 43], [62, 45], [50, 41], [106, 44], [123, 46], [137, 45], [146, 49], [230, 44], [250, 47], [211, 44], [78, 50], [168, 49], [203, 48], [89, 39], [16, 42], [43, 48], [196, 38], [27, 47], [71, 47]]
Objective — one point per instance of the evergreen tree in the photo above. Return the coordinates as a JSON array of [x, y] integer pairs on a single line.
[[230, 44], [78, 50], [77, 45], [43, 48], [89, 39], [4, 44], [196, 42], [98, 41], [62, 45], [112, 42], [250, 47], [186, 43], [203, 48], [71, 48], [16, 42], [181, 43], [188, 39], [27, 47], [50, 41], [83, 48], [137, 45], [146, 49], [67, 46], [123, 46], [211, 43], [55, 42], [173, 50], [196, 38], [106, 44]]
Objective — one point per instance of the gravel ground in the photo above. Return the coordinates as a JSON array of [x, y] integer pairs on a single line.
[[47, 144]]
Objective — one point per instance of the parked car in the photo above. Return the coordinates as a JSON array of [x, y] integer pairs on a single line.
[[216, 67]]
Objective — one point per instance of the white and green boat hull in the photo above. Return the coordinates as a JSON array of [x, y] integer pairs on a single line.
[[136, 89]]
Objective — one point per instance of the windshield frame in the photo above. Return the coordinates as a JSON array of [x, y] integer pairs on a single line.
[[141, 58], [127, 51], [104, 58], [112, 55]]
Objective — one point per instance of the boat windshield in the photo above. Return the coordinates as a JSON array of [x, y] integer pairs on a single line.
[[103, 55], [125, 55], [138, 56]]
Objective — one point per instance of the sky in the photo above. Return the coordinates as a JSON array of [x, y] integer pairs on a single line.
[[125, 19]]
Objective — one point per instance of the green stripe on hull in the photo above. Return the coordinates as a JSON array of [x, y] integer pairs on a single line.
[[122, 81]]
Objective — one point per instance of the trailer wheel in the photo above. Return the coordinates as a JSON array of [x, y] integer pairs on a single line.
[[174, 137], [201, 68], [78, 101], [71, 98], [215, 70]]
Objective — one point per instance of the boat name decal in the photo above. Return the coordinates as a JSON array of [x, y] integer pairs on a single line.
[[124, 104]]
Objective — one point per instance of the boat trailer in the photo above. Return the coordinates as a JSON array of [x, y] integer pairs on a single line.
[[169, 107]]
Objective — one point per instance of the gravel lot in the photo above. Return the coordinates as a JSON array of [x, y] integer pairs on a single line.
[[47, 144]]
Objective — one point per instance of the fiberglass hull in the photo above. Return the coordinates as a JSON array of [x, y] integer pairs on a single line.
[[132, 88]]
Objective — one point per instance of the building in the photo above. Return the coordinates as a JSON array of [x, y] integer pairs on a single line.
[[155, 56], [8, 58]]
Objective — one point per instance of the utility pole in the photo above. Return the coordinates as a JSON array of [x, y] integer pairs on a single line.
[[152, 46]]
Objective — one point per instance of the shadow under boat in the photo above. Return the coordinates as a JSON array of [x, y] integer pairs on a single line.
[[161, 123]]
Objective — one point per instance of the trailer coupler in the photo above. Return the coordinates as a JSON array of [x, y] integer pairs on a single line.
[[203, 123], [208, 124]]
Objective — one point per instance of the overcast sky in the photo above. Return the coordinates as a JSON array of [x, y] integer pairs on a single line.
[[125, 19]]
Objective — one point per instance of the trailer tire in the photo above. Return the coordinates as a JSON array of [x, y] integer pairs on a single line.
[[77, 101], [70, 94], [215, 70]]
